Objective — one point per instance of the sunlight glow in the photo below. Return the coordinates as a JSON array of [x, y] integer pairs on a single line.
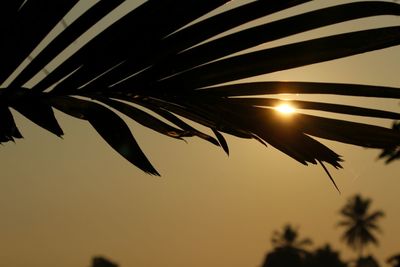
[[285, 109]]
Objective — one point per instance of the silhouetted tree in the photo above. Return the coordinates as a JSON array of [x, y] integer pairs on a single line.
[[368, 261], [168, 69], [288, 249], [102, 262], [289, 238], [325, 257], [359, 223], [394, 260]]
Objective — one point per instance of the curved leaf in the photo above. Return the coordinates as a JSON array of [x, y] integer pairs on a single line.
[[65, 38], [221, 141], [328, 107], [285, 57], [110, 126], [29, 26], [144, 118], [251, 37], [34, 108], [8, 129], [265, 88]]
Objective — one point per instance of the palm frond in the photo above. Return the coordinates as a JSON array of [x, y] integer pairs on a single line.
[[176, 67], [391, 153]]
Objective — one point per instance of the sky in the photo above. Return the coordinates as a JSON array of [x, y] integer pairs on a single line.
[[63, 201]]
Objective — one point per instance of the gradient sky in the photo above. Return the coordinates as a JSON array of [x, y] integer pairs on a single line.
[[64, 201]]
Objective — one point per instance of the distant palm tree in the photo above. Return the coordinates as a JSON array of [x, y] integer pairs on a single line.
[[161, 63], [394, 260], [360, 224], [288, 249], [288, 238]]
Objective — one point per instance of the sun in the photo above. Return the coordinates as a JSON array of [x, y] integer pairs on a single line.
[[285, 109]]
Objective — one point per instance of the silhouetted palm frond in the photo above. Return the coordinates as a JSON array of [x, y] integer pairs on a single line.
[[160, 65], [391, 153]]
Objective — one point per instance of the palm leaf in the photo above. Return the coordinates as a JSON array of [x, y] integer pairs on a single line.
[[392, 153], [110, 126], [169, 72], [25, 27], [8, 129]]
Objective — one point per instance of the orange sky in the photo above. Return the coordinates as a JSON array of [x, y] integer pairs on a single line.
[[64, 201]]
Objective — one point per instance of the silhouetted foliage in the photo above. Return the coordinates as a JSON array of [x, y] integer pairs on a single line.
[[360, 226], [168, 70], [359, 223], [368, 261], [288, 250], [288, 237], [325, 257], [394, 260], [392, 153], [283, 257], [102, 262]]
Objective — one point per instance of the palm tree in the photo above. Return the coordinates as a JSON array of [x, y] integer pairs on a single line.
[[394, 260], [288, 238], [360, 224], [288, 249], [157, 71]]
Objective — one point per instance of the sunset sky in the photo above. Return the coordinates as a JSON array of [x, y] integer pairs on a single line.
[[63, 201]]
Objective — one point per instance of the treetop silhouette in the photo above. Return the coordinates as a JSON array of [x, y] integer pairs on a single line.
[[360, 224]]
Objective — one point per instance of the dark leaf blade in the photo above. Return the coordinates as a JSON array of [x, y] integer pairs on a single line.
[[8, 129], [348, 132], [188, 130], [249, 38], [354, 133], [221, 141], [394, 156], [194, 34], [34, 108], [329, 175], [30, 25], [267, 125], [285, 57], [110, 127], [121, 38], [207, 28], [164, 109], [391, 153], [144, 118], [327, 107], [117, 134], [65, 38], [8, 10], [275, 87], [296, 144]]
